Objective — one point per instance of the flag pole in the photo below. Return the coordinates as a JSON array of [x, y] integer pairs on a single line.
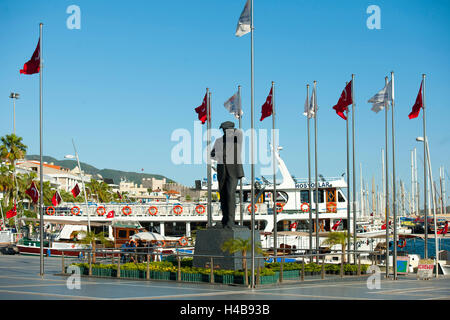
[[315, 167], [275, 233], [84, 188], [309, 170], [387, 182], [394, 195], [41, 167], [208, 154], [241, 197], [354, 170], [348, 188], [425, 171], [252, 153]]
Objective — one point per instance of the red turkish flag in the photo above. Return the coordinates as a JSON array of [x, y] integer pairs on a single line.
[[202, 110], [110, 214], [33, 65], [120, 196], [336, 225], [267, 107], [33, 192], [419, 104], [56, 199], [443, 230], [76, 191], [344, 101], [13, 212]]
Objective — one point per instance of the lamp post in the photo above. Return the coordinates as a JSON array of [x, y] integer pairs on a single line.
[[421, 139], [69, 156], [14, 96]]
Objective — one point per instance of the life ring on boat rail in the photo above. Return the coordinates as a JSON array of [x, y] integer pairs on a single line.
[[200, 209], [280, 206], [153, 211], [126, 210], [303, 205], [50, 212], [178, 210], [161, 243], [402, 244], [75, 210], [183, 241], [331, 207], [101, 210], [249, 208]]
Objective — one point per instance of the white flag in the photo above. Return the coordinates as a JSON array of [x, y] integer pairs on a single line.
[[382, 98], [243, 26], [312, 107], [234, 105]]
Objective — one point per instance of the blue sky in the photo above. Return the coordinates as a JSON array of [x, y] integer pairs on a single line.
[[136, 70]]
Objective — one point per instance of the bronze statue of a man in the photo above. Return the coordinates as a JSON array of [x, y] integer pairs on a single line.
[[227, 152]]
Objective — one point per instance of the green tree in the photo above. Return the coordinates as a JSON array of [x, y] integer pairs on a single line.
[[337, 238], [91, 238], [99, 191], [243, 246]]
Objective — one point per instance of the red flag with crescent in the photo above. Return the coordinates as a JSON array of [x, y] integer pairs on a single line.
[[336, 225], [419, 104], [267, 107], [32, 66], [13, 212], [56, 199], [202, 110], [344, 101], [76, 191], [110, 214], [33, 192]]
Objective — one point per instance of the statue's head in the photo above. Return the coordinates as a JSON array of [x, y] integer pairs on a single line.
[[227, 125]]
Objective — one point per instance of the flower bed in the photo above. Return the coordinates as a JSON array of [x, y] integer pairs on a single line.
[[166, 270]]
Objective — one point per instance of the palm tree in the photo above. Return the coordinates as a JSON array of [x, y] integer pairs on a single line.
[[91, 238], [12, 148], [241, 245], [335, 238]]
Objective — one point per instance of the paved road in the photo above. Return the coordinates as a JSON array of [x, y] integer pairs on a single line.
[[20, 280]]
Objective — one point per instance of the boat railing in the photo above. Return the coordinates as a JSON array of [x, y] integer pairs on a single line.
[[148, 210]]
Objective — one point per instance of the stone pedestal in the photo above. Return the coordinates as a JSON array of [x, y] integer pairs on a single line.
[[210, 241]]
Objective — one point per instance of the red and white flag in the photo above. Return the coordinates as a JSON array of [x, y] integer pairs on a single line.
[[419, 104], [110, 214], [13, 212], [336, 225], [33, 192], [344, 101], [267, 107], [32, 66], [119, 195], [202, 110], [56, 199], [76, 191]]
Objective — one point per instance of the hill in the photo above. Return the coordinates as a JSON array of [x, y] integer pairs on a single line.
[[116, 175]]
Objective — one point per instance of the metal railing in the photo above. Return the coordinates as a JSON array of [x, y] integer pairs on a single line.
[[147, 255]]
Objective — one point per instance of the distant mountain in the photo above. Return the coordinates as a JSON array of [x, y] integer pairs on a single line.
[[116, 175]]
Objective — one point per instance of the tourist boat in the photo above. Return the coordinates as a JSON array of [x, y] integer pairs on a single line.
[[180, 219]]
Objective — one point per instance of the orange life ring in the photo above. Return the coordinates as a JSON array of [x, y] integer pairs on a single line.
[[52, 211], [403, 244], [280, 206], [161, 243], [303, 206], [200, 209], [153, 211], [178, 210], [183, 241], [126, 210], [101, 210], [249, 208], [331, 207], [75, 210]]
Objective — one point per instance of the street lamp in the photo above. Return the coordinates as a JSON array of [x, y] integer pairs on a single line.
[[69, 156], [14, 96], [421, 139]]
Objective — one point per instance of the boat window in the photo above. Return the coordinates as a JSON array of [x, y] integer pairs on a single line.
[[122, 234], [304, 196], [282, 197], [131, 232], [321, 196], [340, 197]]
